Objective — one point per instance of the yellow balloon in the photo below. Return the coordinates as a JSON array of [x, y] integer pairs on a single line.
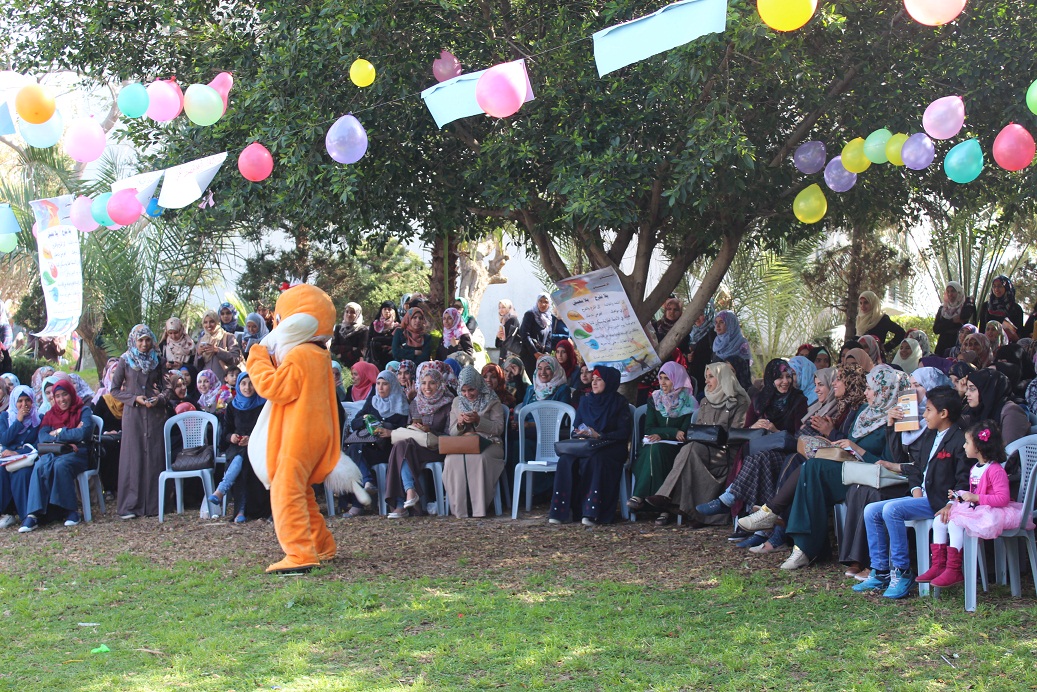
[[34, 104], [786, 15], [810, 205], [854, 159], [361, 73], [893, 147]]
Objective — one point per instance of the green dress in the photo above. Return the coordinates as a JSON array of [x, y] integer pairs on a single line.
[[655, 461]]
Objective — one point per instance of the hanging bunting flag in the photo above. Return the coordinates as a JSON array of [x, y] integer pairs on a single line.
[[455, 98], [61, 271], [144, 183], [187, 182], [672, 26]]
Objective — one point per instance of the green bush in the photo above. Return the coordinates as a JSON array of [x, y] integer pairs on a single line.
[[23, 366], [910, 322]]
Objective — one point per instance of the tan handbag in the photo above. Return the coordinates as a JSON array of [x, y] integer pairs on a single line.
[[460, 444], [871, 475], [422, 438]]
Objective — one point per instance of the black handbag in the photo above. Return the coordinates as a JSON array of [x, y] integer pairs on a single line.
[[55, 448], [194, 459], [580, 446], [780, 441], [713, 435]]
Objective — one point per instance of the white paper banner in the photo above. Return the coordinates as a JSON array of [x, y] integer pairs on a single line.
[[61, 269], [186, 183], [603, 325], [144, 183]]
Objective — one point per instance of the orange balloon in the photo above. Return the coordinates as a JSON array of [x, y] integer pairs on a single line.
[[34, 104]]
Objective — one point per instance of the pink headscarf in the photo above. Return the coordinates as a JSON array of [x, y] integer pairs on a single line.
[[453, 335], [681, 399]]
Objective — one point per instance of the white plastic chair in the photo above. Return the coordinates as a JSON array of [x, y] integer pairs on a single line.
[[548, 417], [436, 467], [92, 473], [193, 428]]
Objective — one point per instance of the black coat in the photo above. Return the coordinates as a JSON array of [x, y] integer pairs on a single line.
[[349, 348], [950, 467], [511, 329], [885, 327], [947, 330]]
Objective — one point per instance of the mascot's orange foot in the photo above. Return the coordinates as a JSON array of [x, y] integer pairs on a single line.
[[328, 556], [286, 566]]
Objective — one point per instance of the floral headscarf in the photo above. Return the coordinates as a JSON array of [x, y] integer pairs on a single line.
[[38, 377], [426, 406], [950, 310], [458, 328], [1000, 340], [979, 344], [143, 362], [470, 377], [544, 390], [233, 322], [923, 341], [179, 346], [888, 385], [681, 399], [854, 383], [207, 401], [999, 307], [414, 337]]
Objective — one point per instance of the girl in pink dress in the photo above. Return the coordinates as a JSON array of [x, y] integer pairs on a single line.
[[984, 511]]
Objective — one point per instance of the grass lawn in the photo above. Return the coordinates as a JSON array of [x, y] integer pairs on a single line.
[[445, 604]]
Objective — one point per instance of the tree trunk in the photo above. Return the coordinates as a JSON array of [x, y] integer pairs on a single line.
[[89, 327], [443, 275], [478, 270], [854, 277]]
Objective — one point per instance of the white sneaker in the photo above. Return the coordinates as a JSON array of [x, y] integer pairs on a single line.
[[552, 520], [7, 520], [760, 520], [796, 560], [398, 514], [588, 522]]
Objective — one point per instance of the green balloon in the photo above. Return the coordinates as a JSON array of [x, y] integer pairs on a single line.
[[1031, 97], [99, 209], [133, 100], [202, 104], [875, 145], [964, 162], [8, 242]]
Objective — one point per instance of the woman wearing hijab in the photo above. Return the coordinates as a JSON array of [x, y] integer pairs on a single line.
[[238, 424], [176, 392], [820, 486], [732, 346], [959, 374], [515, 378], [957, 310], [137, 383], [386, 408], [908, 355], [700, 345], [565, 354], [587, 488], [430, 413], [987, 398], [36, 382], [508, 341], [535, 332], [412, 340], [549, 382], [873, 347], [699, 471], [176, 348], [1001, 304], [364, 376], [380, 335], [923, 341], [1008, 359], [963, 333], [456, 337], [19, 428], [217, 349], [11, 379], [208, 391], [821, 357], [472, 477], [340, 385], [467, 318], [52, 486], [780, 406], [979, 346], [804, 370], [349, 341], [672, 311], [255, 330], [853, 546], [872, 321], [494, 376], [995, 334], [48, 386], [5, 394], [228, 317], [669, 412]]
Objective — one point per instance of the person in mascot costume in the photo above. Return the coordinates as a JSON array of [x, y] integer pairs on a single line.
[[295, 443]]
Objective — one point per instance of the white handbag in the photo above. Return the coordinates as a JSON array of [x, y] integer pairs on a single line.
[[422, 438], [20, 462], [871, 475]]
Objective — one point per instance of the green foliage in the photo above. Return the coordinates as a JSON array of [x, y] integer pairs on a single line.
[[911, 322], [23, 365]]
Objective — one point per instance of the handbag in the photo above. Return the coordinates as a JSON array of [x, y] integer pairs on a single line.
[[18, 463], [714, 435], [360, 437], [420, 437], [871, 475], [580, 446], [739, 436], [194, 459], [780, 441], [459, 444], [56, 448]]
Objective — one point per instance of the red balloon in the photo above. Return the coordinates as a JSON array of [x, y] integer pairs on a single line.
[[255, 162], [1014, 148]]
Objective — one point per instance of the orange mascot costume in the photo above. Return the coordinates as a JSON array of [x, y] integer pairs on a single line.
[[296, 442]]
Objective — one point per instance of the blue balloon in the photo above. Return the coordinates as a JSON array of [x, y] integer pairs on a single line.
[[153, 209], [8, 221], [837, 178], [45, 135], [964, 162], [99, 209]]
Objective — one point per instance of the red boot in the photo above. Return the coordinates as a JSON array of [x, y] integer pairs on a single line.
[[952, 572], [937, 562]]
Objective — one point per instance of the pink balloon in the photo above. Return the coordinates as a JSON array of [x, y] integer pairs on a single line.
[[163, 104], [124, 207], [255, 162], [501, 90], [222, 84], [1014, 148], [36, 230], [446, 67], [85, 140], [944, 117], [934, 12], [179, 94], [80, 214]]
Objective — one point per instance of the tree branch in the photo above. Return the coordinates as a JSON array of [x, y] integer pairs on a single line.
[[619, 246], [812, 117]]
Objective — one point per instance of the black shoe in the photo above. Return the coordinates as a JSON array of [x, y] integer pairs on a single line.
[[712, 508]]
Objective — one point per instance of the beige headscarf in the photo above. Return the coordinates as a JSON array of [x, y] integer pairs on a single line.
[[861, 358], [728, 390], [867, 320], [831, 404], [215, 336]]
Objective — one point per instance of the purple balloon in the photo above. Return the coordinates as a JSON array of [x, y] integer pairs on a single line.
[[837, 178], [918, 151], [346, 140], [810, 157]]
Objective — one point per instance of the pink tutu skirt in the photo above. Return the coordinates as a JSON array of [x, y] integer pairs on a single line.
[[986, 522]]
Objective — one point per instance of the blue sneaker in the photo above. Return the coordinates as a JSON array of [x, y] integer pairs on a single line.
[[752, 541], [28, 525], [713, 507], [72, 519], [877, 581], [900, 583]]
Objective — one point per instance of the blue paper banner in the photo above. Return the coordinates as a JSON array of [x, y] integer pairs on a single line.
[[6, 122], [455, 98], [672, 26]]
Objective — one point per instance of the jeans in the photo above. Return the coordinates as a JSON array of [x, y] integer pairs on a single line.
[[408, 482], [231, 475], [887, 534]]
